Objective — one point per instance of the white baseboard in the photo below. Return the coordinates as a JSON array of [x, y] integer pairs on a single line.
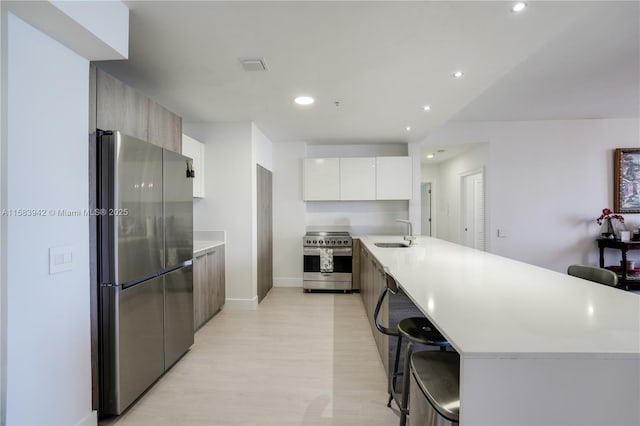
[[90, 419], [287, 282], [246, 304]]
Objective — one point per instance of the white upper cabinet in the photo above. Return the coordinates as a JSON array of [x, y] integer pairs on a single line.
[[394, 177], [321, 179], [195, 150], [358, 178]]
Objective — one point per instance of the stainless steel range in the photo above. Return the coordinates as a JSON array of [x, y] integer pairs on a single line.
[[327, 261]]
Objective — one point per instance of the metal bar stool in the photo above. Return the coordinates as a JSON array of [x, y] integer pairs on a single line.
[[435, 389], [414, 330]]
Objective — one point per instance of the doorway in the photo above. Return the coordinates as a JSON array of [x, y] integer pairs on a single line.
[[425, 208], [473, 234]]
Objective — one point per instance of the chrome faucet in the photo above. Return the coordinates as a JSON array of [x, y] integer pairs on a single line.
[[409, 237]]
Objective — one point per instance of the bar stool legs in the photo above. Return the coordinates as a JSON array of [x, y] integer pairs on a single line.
[[394, 376], [405, 383]]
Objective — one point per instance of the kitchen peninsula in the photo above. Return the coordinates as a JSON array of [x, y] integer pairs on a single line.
[[537, 347]]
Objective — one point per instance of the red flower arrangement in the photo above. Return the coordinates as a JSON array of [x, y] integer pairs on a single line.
[[607, 215]]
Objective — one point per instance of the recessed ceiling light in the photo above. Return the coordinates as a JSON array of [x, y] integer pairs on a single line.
[[430, 155], [304, 100], [519, 7], [458, 74], [426, 108], [408, 128]]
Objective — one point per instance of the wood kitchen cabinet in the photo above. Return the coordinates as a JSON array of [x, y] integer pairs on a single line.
[[208, 284], [355, 265], [165, 128], [200, 290], [121, 107], [372, 281]]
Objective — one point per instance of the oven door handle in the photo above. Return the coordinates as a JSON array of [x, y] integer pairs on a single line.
[[315, 251]]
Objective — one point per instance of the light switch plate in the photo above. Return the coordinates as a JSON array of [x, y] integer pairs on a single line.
[[503, 233], [60, 259]]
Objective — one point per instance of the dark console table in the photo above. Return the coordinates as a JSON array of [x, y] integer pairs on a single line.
[[624, 246]]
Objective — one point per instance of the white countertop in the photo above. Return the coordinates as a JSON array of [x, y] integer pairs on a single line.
[[488, 305], [203, 245]]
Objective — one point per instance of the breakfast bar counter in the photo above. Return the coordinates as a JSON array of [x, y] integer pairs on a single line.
[[537, 347]]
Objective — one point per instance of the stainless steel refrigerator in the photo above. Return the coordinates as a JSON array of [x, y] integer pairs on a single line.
[[145, 251]]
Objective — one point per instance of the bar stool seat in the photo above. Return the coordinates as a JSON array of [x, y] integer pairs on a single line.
[[437, 376], [421, 330]]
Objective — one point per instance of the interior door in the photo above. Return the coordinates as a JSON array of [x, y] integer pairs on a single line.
[[425, 208], [265, 232], [473, 211]]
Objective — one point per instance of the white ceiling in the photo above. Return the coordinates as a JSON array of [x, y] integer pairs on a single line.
[[383, 61]]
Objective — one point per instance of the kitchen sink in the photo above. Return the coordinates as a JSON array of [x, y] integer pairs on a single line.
[[391, 245]]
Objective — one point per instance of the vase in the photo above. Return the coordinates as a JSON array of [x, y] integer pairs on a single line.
[[610, 229]]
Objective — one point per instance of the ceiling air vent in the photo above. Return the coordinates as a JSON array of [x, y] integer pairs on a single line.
[[254, 64]]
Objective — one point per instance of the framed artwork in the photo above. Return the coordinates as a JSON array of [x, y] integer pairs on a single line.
[[627, 180]]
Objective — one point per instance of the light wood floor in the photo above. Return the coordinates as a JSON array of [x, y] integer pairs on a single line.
[[299, 359]]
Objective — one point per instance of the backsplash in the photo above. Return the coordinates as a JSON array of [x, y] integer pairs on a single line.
[[357, 217], [210, 235]]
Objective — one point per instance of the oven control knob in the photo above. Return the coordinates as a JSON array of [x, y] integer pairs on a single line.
[[346, 242], [314, 241]]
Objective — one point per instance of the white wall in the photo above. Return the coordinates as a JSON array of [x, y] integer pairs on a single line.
[[414, 150], [3, 218], [262, 148], [288, 214], [95, 30], [108, 21], [48, 336], [548, 181], [228, 204]]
